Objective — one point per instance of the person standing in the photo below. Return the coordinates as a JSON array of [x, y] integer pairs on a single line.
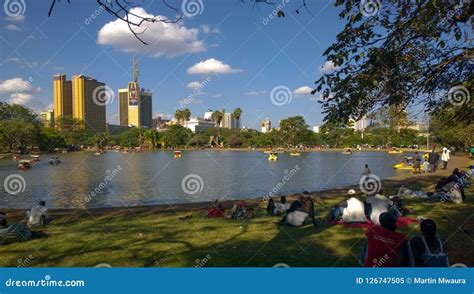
[[433, 158], [416, 163], [445, 157], [367, 170]]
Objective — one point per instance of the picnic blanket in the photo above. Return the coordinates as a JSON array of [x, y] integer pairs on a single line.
[[401, 222]]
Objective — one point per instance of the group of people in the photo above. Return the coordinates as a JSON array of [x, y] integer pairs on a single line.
[[385, 247], [37, 216], [433, 160]]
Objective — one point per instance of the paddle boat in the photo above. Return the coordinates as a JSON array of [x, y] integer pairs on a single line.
[[35, 158], [24, 164], [273, 156], [54, 160], [395, 151], [294, 153], [178, 154], [348, 151], [407, 165]]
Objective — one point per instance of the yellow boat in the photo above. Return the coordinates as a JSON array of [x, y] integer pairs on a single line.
[[403, 166], [273, 157], [295, 154], [177, 154], [395, 151]]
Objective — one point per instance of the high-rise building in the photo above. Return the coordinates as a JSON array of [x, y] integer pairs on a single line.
[[62, 96], [85, 106], [47, 118], [229, 121], [266, 126], [135, 104]]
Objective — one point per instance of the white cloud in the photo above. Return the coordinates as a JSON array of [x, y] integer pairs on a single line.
[[20, 91], [17, 85], [328, 67], [212, 66], [20, 98], [12, 27], [304, 90], [255, 93], [170, 39], [193, 85], [217, 95], [163, 115], [205, 28], [18, 18]]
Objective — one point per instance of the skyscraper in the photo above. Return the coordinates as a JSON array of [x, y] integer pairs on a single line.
[[62, 96], [135, 104], [85, 106]]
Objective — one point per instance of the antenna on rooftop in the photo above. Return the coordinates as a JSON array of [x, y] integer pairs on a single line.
[[135, 69]]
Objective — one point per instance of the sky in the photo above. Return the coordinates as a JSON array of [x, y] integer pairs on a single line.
[[223, 54]]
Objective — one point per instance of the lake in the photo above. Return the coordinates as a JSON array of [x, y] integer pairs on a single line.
[[148, 178]]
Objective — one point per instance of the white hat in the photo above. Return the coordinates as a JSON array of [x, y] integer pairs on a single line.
[[351, 192], [444, 148]]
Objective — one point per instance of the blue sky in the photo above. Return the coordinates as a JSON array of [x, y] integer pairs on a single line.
[[241, 52]]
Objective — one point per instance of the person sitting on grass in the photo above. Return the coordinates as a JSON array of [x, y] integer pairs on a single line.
[[38, 215], [378, 204], [215, 210], [351, 210], [277, 208], [299, 212], [241, 211], [428, 250], [385, 247], [12, 233]]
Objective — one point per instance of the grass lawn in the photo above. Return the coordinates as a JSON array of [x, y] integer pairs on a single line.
[[150, 237]]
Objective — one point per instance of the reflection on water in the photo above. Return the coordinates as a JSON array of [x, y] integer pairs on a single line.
[[86, 180]]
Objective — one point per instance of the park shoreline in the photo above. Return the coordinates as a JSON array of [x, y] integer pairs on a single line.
[[389, 183]]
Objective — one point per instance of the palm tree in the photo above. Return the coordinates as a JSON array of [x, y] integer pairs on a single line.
[[152, 136], [217, 117], [237, 114], [186, 114], [182, 115]]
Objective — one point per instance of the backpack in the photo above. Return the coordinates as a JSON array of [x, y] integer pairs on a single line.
[[434, 260]]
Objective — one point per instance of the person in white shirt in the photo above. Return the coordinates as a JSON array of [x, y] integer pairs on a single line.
[[38, 215], [445, 157], [278, 208]]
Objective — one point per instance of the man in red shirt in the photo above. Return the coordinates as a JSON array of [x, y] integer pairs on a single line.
[[385, 247]]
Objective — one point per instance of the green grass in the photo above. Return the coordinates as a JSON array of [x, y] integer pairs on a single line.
[[151, 238]]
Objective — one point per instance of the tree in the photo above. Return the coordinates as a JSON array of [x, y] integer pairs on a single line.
[[152, 137], [182, 115], [407, 52], [294, 131], [237, 114], [177, 136]]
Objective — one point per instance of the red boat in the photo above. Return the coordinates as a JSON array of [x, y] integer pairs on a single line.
[[24, 164]]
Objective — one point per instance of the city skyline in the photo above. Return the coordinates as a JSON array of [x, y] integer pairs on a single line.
[[172, 69]]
